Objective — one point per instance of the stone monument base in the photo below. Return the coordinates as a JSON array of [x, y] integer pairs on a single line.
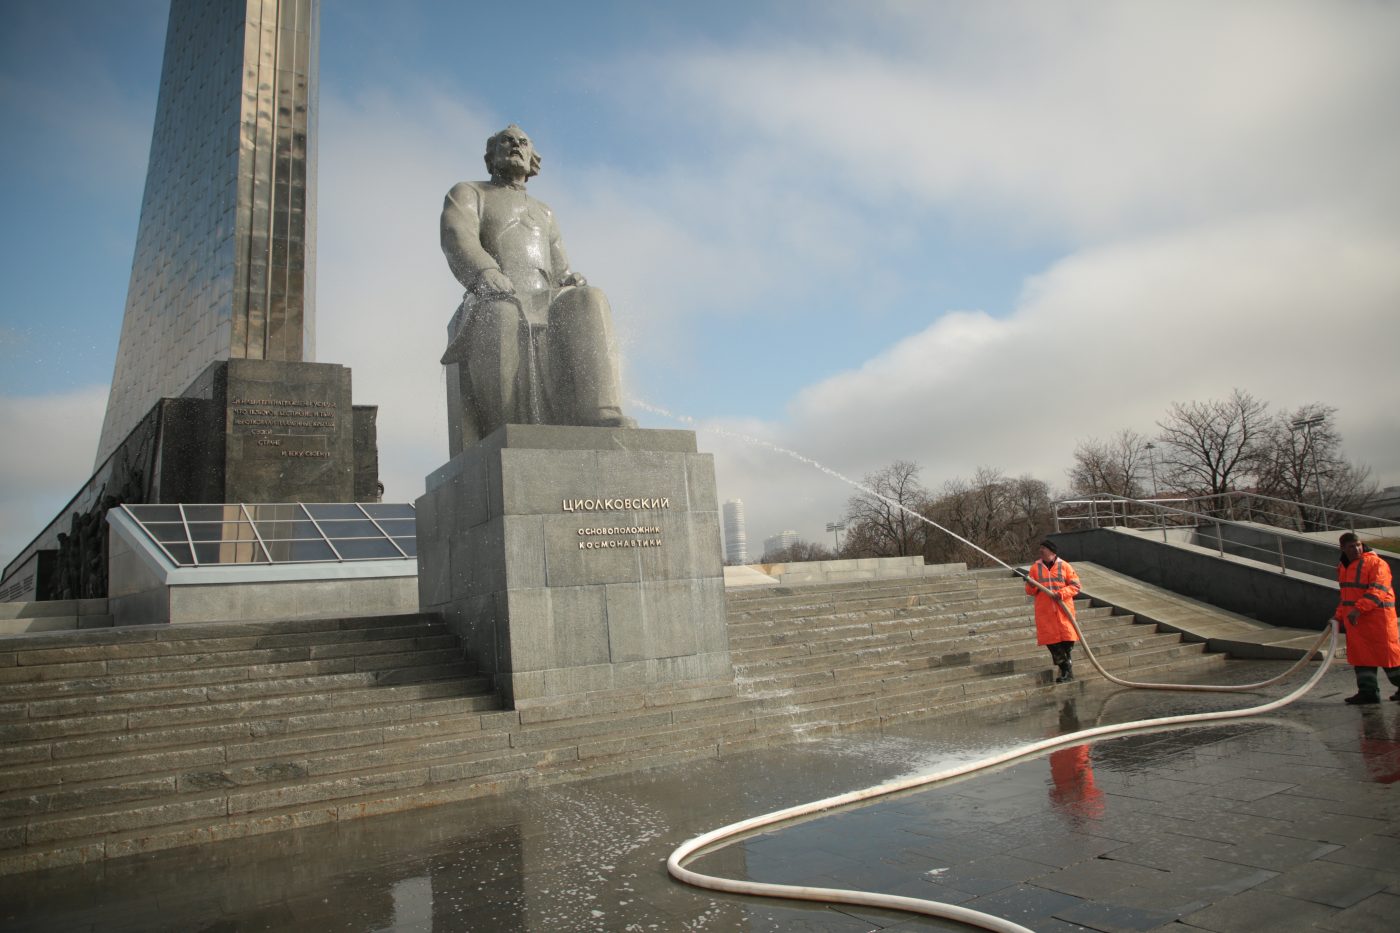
[[576, 560], [244, 431]]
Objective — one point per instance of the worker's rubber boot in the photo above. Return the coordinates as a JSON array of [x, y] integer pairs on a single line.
[[1368, 689], [1066, 672]]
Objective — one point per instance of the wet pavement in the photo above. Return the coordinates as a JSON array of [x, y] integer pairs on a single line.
[[1286, 822]]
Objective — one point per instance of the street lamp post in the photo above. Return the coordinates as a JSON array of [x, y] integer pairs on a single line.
[[836, 528], [1306, 425], [1152, 465]]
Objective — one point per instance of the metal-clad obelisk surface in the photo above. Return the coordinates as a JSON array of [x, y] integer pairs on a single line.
[[225, 250]]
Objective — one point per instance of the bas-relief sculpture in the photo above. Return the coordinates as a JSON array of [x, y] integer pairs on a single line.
[[532, 341]]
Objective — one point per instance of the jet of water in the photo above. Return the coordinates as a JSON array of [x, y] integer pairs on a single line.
[[760, 442]]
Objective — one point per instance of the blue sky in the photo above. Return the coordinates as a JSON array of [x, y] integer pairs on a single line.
[[959, 233]]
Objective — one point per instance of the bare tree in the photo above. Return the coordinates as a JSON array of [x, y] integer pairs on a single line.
[[799, 552], [1305, 463], [886, 522], [1115, 466], [1002, 516], [1211, 447]]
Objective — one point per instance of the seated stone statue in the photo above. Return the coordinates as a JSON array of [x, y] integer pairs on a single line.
[[531, 342]]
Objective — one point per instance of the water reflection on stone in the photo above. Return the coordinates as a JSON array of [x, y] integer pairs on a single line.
[[1073, 793], [1380, 745]]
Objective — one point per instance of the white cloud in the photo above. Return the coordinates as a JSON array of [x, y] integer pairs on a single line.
[[384, 293], [1288, 308], [49, 444], [1087, 118]]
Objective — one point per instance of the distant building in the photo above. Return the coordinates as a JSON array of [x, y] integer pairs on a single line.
[[736, 540], [779, 542]]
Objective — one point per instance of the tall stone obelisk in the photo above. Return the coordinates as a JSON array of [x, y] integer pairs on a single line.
[[225, 252]]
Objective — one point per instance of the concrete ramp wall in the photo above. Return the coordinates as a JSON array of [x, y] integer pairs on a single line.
[[1247, 587]]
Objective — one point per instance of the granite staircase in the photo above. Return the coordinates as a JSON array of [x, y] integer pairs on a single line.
[[119, 741]]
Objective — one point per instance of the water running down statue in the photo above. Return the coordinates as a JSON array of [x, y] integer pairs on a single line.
[[532, 341]]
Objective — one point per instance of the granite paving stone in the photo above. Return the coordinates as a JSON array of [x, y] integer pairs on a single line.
[[1329, 883], [1277, 853], [1374, 851], [1229, 826], [1253, 911], [1377, 912], [1097, 878], [1114, 918], [1170, 851], [1027, 905], [1059, 848]]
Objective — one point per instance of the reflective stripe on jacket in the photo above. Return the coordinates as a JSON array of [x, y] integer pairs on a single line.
[[1052, 618], [1372, 640]]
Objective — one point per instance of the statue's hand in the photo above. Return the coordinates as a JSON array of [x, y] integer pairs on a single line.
[[573, 278], [491, 283]]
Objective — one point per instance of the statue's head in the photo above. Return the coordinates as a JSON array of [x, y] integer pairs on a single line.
[[510, 154]]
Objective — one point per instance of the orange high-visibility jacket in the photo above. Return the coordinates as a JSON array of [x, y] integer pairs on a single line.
[[1051, 625], [1372, 640]]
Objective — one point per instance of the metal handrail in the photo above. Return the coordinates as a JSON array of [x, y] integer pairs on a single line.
[[1148, 514], [1324, 518]]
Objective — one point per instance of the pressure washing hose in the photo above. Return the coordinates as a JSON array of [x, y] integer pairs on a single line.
[[676, 864]]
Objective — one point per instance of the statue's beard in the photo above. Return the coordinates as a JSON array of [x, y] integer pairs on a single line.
[[511, 169]]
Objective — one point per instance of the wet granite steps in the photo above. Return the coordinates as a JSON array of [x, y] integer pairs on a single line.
[[853, 601], [114, 780]]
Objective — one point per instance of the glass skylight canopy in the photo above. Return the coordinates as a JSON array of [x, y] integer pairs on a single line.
[[280, 533]]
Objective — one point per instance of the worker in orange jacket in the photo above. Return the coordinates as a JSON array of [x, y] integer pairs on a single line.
[[1367, 609], [1054, 617]]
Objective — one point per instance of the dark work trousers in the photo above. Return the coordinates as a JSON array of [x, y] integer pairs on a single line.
[[1367, 683], [1060, 651]]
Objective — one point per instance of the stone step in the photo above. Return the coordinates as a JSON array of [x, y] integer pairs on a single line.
[[221, 745], [897, 631], [895, 601], [139, 634], [962, 621], [947, 610], [263, 758], [270, 673], [256, 786], [141, 718], [913, 694], [770, 594], [988, 628], [956, 665], [263, 733], [173, 653], [259, 783], [779, 595]]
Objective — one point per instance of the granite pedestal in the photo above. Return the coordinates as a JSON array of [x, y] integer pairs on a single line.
[[577, 560]]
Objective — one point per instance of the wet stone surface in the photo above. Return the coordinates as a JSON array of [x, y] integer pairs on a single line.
[[1285, 822]]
